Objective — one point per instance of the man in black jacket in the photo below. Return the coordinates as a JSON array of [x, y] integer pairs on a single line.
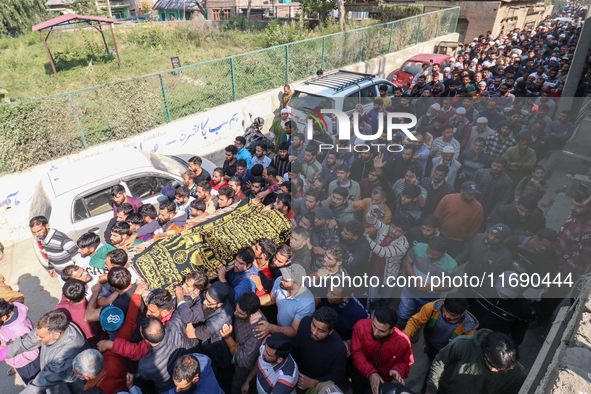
[[523, 217], [319, 351], [503, 308]]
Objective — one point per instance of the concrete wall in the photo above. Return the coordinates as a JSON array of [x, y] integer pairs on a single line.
[[568, 363], [205, 134]]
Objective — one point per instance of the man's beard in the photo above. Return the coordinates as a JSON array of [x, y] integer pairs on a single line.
[[379, 339], [163, 222], [333, 206]]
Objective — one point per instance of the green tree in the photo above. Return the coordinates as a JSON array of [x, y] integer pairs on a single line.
[[146, 7], [86, 7], [318, 8], [17, 16]]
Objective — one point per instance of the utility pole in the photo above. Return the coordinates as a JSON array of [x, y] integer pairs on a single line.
[[567, 98], [184, 16], [109, 8]]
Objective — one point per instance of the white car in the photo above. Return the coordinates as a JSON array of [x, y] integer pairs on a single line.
[[341, 90], [77, 198]]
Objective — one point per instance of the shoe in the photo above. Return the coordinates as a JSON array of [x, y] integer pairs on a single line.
[[11, 371]]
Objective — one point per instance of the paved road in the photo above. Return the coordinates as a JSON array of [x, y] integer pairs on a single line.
[[42, 293]]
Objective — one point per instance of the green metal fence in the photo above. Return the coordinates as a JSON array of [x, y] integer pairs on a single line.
[[119, 110]]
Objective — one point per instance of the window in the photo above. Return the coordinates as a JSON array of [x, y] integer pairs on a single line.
[[412, 68], [350, 102], [164, 163], [219, 15], [368, 94], [93, 204], [80, 211], [301, 101], [147, 186]]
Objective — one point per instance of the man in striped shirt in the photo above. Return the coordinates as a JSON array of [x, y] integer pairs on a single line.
[[59, 250], [276, 371]]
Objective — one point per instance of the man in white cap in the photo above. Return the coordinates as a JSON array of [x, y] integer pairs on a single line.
[[278, 129], [429, 117], [446, 73], [481, 130], [447, 158], [461, 126]]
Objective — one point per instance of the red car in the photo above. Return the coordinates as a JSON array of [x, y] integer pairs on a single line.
[[414, 65]]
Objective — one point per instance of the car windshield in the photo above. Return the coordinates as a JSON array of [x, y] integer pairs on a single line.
[[412, 68], [164, 163], [40, 204], [301, 101]]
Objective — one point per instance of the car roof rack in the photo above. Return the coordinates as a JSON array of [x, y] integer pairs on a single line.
[[340, 80]]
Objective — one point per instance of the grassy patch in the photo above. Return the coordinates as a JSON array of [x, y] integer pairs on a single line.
[[82, 62]]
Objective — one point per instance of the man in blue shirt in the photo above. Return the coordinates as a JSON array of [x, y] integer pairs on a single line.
[[294, 302], [239, 276], [560, 130], [349, 311], [243, 153]]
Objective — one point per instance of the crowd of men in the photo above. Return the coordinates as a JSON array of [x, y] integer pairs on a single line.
[[463, 197]]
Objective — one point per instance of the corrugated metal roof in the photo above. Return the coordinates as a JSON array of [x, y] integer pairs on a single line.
[[58, 2], [68, 17], [176, 5]]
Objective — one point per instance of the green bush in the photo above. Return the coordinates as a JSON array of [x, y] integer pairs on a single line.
[[150, 35], [278, 33], [32, 132]]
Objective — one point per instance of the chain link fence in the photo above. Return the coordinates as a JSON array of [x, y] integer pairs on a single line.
[[35, 131]]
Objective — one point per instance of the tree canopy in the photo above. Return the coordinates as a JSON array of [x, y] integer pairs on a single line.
[[17, 16]]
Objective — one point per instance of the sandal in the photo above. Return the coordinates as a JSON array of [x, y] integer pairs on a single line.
[[11, 371]]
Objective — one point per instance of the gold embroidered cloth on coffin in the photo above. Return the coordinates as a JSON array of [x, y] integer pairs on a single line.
[[210, 244]]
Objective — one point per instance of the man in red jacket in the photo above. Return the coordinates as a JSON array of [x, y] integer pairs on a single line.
[[380, 351], [108, 372]]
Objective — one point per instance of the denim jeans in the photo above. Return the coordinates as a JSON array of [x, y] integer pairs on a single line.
[[410, 305]]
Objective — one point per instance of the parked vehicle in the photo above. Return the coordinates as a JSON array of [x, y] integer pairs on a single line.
[[77, 198], [341, 90], [414, 65]]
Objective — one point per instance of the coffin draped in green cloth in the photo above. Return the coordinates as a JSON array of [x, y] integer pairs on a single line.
[[209, 245]]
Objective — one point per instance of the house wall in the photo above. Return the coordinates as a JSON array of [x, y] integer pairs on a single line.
[[495, 16], [236, 6]]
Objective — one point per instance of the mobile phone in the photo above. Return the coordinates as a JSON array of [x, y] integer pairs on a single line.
[[379, 213], [431, 61]]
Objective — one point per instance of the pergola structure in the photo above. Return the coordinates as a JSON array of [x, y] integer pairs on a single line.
[[71, 22]]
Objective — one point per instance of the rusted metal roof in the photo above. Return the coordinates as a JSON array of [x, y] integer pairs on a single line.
[[68, 19]]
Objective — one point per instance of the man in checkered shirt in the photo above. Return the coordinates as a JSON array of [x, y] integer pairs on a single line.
[[498, 143]]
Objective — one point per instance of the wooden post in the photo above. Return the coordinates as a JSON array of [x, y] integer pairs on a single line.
[[115, 43], [48, 53]]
